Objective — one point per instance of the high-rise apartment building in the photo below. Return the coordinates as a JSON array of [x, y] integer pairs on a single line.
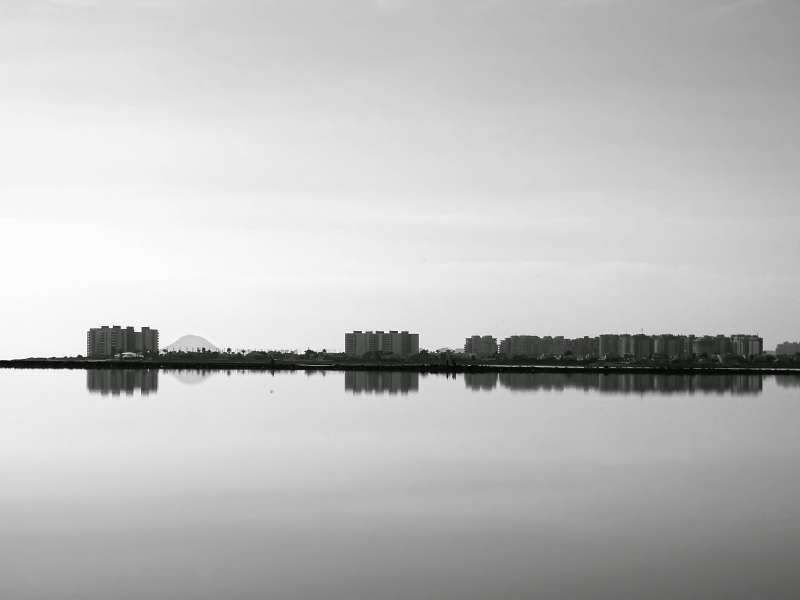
[[609, 345], [533, 346], [481, 346], [642, 346], [671, 346], [105, 341], [521, 345], [397, 343], [708, 345], [787, 348], [585, 347], [626, 344], [746, 345]]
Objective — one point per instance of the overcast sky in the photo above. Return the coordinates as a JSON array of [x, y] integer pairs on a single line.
[[271, 174]]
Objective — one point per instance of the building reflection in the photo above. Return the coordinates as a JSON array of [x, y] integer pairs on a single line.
[[381, 382], [619, 383], [789, 381], [122, 381]]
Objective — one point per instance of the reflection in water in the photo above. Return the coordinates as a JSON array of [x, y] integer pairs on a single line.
[[626, 383], [788, 380], [117, 381], [191, 376], [381, 382], [220, 491]]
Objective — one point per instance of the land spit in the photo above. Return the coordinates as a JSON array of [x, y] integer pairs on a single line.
[[418, 367]]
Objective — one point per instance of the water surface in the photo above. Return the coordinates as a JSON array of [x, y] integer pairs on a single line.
[[146, 484]]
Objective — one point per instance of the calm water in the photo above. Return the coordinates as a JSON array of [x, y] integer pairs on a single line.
[[138, 485]]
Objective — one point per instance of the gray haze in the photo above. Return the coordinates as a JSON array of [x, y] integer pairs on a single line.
[[275, 173]]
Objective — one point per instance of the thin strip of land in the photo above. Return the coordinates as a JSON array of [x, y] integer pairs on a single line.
[[418, 367]]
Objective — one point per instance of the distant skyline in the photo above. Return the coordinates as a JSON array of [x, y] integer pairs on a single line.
[[273, 174]]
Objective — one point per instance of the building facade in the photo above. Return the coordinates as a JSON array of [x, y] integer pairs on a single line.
[[787, 348], [105, 341], [609, 345], [395, 343], [482, 346], [746, 345], [533, 346]]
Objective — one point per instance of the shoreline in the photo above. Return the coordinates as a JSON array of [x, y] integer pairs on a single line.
[[215, 365]]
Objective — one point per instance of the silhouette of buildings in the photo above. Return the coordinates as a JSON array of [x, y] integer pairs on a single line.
[[585, 347], [105, 341], [626, 383], [710, 345], [481, 346], [122, 381], [746, 345], [396, 343], [787, 348], [670, 346], [381, 382], [609, 345], [637, 346], [535, 346]]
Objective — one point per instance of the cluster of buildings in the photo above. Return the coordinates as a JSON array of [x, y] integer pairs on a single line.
[[679, 346], [393, 343], [107, 342], [613, 345]]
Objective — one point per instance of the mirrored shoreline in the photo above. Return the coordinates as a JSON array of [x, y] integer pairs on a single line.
[[117, 382], [618, 383]]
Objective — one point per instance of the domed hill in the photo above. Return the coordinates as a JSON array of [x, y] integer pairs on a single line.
[[191, 343]]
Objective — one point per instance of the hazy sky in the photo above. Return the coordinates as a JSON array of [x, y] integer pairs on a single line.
[[271, 174]]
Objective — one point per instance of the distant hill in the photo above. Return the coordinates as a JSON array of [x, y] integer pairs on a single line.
[[191, 343]]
